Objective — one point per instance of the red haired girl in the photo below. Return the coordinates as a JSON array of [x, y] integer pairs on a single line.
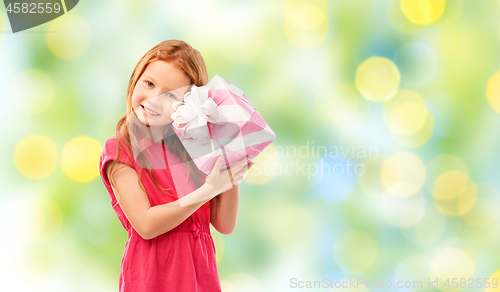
[[169, 245]]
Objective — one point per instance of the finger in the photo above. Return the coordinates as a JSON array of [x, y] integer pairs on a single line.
[[243, 170], [218, 164], [242, 173], [240, 179], [240, 164], [228, 174], [235, 165], [233, 170]]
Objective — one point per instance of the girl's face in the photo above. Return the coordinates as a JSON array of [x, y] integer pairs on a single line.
[[159, 86]]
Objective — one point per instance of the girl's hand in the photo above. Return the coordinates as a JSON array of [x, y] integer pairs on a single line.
[[221, 181]]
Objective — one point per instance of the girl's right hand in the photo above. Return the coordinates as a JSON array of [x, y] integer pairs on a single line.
[[221, 181]]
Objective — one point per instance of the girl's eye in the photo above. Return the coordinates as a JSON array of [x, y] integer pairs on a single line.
[[171, 95], [148, 83]]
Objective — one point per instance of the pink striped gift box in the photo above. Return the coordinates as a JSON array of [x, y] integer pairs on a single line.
[[218, 119]]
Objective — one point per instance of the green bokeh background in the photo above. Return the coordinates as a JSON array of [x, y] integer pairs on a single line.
[[58, 234]]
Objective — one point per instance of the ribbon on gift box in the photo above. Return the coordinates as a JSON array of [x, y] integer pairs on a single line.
[[196, 116], [219, 111], [198, 109]]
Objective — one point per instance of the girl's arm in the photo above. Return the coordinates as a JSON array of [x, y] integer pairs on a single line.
[[149, 221], [224, 214]]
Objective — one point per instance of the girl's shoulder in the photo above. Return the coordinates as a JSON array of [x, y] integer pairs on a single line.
[[110, 151]]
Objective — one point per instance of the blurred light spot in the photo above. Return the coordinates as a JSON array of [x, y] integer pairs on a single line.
[[32, 91], [265, 166], [454, 193], [377, 79], [241, 282], [448, 263], [493, 91], [80, 158], [47, 220], [423, 12], [399, 21], [410, 121], [220, 245], [418, 63], [355, 251], [306, 25], [428, 229], [403, 174], [450, 184], [403, 212], [441, 164], [419, 138], [494, 285], [402, 97], [293, 228], [71, 37], [36, 156]]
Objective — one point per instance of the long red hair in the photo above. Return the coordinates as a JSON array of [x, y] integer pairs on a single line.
[[192, 63]]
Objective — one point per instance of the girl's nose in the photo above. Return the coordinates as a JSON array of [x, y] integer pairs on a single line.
[[155, 101]]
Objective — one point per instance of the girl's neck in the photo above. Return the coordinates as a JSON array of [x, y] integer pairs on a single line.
[[158, 134]]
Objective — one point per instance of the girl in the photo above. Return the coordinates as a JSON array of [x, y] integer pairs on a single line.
[[169, 245]]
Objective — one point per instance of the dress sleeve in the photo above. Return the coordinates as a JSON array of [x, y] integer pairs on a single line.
[[108, 154]]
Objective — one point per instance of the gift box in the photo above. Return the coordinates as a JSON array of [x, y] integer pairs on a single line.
[[217, 119]]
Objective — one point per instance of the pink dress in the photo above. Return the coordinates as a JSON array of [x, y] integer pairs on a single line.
[[182, 259]]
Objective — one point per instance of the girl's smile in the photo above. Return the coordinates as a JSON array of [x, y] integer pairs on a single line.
[[149, 111]]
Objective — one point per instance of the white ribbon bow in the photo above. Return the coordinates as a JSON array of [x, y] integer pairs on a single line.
[[195, 112]]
